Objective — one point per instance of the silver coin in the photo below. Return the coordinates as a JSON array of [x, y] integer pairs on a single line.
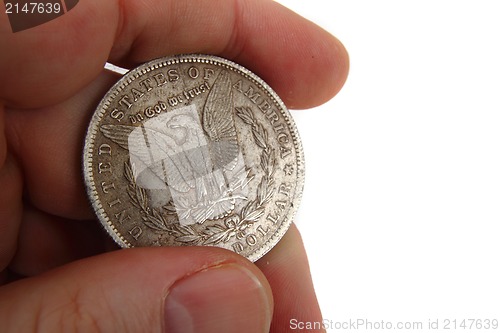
[[194, 150]]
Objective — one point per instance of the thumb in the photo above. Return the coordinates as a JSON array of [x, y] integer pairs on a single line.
[[142, 290]]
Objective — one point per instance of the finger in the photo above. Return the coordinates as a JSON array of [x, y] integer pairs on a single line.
[[302, 62], [49, 143], [287, 270], [49, 63], [142, 290], [47, 241], [10, 200]]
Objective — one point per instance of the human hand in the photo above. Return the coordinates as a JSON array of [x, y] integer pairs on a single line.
[[52, 78]]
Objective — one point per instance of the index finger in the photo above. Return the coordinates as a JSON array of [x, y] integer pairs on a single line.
[[48, 63]]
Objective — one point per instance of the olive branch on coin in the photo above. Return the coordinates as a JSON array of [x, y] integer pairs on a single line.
[[233, 225]]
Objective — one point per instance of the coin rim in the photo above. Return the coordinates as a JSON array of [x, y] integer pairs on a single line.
[[152, 65]]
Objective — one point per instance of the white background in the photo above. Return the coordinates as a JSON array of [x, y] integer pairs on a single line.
[[401, 210]]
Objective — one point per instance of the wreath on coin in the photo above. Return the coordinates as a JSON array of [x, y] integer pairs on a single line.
[[233, 225]]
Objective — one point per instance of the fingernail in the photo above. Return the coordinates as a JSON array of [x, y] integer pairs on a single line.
[[228, 298]]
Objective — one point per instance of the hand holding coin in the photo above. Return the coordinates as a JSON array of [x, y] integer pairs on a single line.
[[57, 266]]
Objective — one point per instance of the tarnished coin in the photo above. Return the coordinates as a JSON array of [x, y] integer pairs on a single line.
[[194, 150]]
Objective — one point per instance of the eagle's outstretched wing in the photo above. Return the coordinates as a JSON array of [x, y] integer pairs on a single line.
[[154, 149], [118, 134], [218, 123]]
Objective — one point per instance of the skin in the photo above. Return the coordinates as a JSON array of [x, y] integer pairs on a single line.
[[58, 271]]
